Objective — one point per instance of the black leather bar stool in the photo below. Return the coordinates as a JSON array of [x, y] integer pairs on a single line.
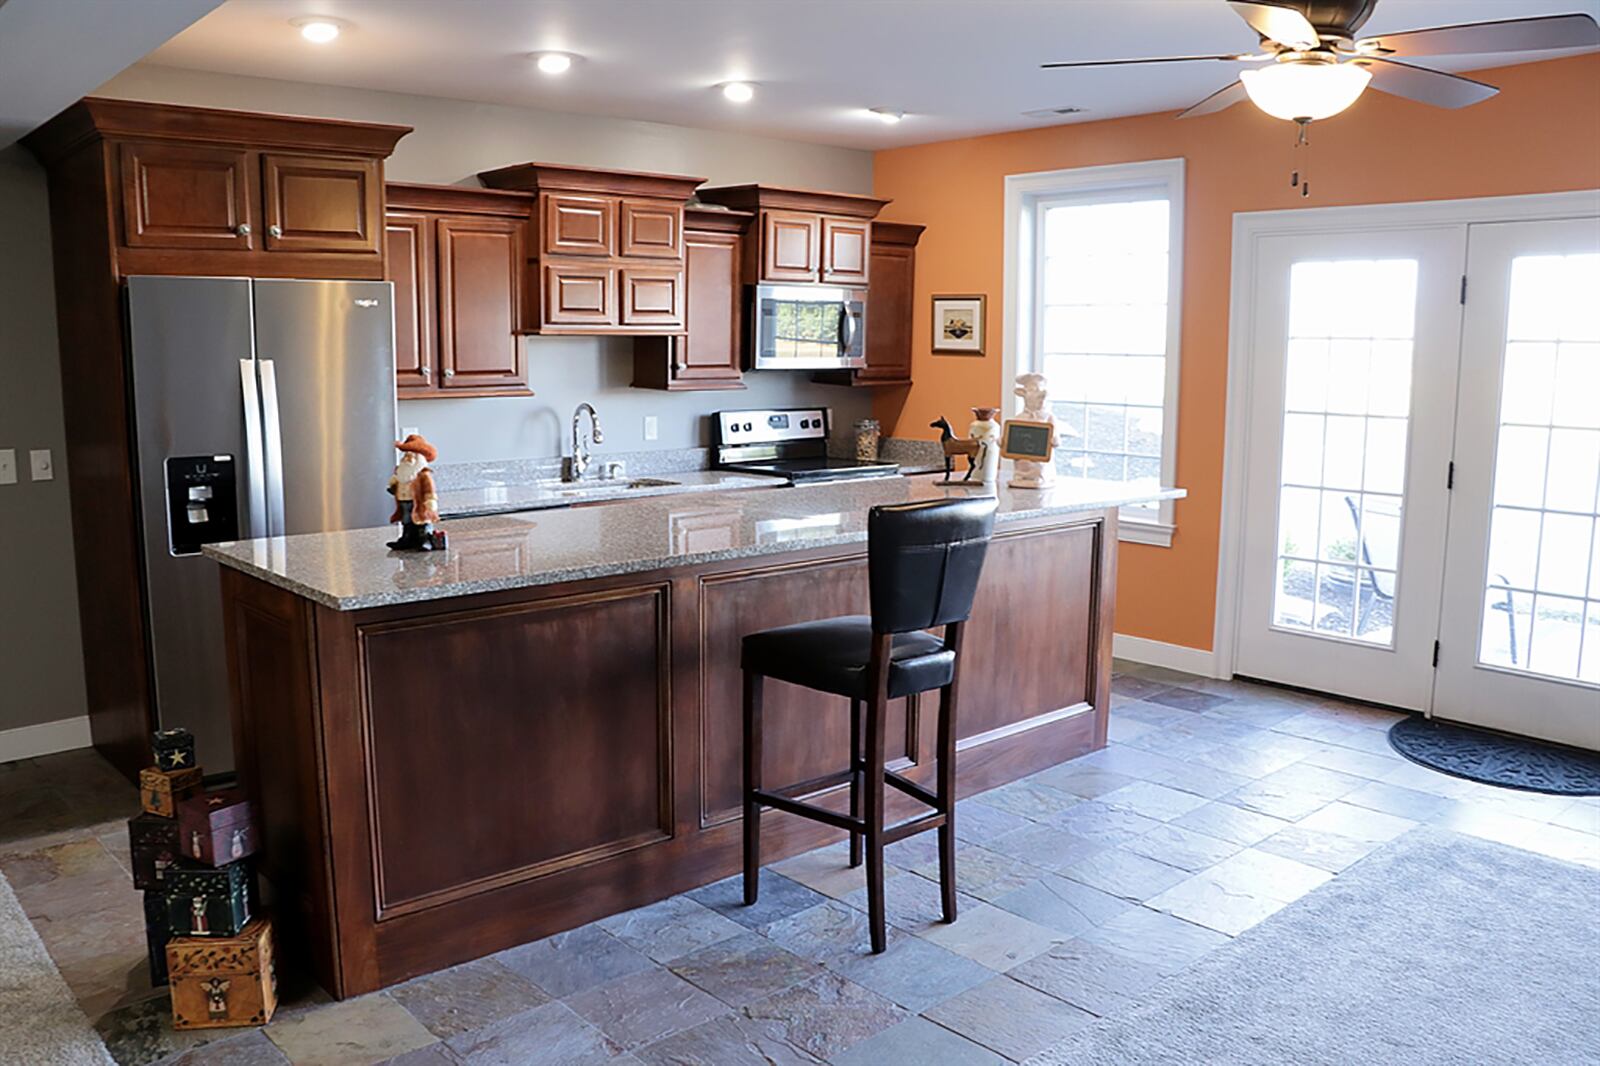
[[923, 562]]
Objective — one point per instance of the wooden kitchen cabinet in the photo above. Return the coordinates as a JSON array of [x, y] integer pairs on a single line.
[[805, 236], [456, 258], [187, 196], [845, 242], [891, 296], [607, 253], [321, 204], [708, 355], [789, 246]]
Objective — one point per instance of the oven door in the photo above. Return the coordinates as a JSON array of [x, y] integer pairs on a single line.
[[808, 327]]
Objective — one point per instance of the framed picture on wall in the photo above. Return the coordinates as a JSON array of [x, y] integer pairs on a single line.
[[958, 324]]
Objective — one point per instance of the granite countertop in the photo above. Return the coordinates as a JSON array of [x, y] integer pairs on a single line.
[[353, 569], [543, 495]]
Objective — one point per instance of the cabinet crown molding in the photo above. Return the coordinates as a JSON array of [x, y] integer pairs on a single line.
[[96, 118], [900, 233], [755, 197], [458, 199], [556, 177]]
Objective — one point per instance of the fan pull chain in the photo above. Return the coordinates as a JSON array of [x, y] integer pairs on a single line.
[[1301, 140]]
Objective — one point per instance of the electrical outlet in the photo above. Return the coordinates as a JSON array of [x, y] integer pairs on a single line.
[[8, 466], [652, 429], [406, 431], [39, 464]]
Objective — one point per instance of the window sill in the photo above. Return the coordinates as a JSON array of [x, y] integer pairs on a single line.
[[1141, 532]]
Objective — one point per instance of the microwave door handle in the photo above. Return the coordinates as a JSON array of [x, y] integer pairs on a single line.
[[272, 438], [847, 328], [255, 483]]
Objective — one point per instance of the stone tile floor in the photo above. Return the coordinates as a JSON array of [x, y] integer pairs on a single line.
[[1216, 804]]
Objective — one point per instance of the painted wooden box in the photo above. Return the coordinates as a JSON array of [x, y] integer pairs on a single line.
[[152, 847], [216, 828], [160, 790], [157, 933], [223, 982], [205, 901], [174, 749]]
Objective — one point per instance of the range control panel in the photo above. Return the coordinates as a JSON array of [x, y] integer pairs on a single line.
[[202, 502], [771, 427]]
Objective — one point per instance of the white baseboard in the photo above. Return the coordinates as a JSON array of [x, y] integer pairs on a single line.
[[1159, 653], [46, 738]]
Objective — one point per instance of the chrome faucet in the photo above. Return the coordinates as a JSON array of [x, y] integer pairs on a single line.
[[579, 461]]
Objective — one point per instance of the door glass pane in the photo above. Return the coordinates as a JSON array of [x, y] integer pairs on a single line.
[[1346, 415], [1542, 583]]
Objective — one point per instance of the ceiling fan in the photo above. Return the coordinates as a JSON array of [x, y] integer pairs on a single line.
[[1314, 65]]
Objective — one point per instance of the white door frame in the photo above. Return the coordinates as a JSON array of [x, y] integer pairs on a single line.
[[1249, 227]]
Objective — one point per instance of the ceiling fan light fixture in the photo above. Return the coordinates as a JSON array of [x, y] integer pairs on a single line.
[[1305, 88], [889, 116]]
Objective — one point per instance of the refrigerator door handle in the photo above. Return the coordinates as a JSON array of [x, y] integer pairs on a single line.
[[272, 438], [256, 482]]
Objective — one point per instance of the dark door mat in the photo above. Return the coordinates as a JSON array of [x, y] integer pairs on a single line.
[[1497, 758]]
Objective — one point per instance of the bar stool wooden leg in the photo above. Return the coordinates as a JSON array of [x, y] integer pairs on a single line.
[[857, 778], [946, 789], [875, 797], [752, 781]]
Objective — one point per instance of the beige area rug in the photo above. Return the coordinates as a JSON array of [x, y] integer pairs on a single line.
[[39, 1020]]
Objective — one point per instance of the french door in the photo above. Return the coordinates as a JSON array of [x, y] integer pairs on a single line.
[[1422, 515], [1351, 413], [1519, 648]]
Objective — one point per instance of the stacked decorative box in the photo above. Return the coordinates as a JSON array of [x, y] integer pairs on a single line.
[[190, 850]]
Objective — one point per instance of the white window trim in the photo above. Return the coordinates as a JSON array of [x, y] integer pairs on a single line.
[[1023, 195]]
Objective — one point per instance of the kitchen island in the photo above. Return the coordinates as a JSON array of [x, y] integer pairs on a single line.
[[458, 751]]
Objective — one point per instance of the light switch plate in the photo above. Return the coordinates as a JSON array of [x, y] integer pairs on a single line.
[[651, 428], [8, 466], [39, 464], [406, 431]]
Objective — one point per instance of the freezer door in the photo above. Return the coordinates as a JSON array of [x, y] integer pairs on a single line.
[[193, 384], [326, 353]]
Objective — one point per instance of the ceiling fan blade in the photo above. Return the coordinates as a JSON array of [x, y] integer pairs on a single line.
[[1163, 59], [1481, 38], [1424, 86], [1218, 101], [1282, 24]]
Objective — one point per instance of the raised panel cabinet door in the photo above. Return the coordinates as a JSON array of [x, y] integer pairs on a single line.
[[789, 246], [479, 260], [845, 256], [578, 294], [652, 297], [321, 203], [578, 225], [187, 196], [651, 229], [889, 315], [711, 350], [409, 264]]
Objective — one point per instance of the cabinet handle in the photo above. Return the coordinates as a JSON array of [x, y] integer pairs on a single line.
[[449, 372], [275, 229], [242, 229], [427, 372]]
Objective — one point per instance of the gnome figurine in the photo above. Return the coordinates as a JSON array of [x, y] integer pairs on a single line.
[[416, 501]]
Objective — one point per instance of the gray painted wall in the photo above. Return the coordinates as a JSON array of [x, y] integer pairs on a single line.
[[453, 140], [40, 658]]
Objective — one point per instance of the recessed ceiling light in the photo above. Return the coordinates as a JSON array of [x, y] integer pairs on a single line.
[[554, 62], [740, 92], [319, 30], [889, 116]]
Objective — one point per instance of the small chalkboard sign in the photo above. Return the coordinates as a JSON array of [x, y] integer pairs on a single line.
[[1024, 439]]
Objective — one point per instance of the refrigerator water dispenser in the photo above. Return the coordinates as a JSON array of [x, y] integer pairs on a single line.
[[202, 502]]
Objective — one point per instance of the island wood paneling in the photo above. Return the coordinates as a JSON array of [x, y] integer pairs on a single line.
[[445, 779]]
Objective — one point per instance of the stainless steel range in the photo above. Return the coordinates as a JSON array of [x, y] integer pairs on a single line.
[[791, 443]]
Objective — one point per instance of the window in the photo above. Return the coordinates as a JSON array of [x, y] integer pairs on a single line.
[[1092, 288]]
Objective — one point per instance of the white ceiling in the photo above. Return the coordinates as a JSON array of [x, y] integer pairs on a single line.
[[956, 67], [51, 52]]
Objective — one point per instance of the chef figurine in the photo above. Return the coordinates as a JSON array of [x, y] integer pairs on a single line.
[[1030, 473], [416, 501], [986, 432]]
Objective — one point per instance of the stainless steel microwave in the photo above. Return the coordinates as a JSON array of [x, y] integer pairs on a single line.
[[809, 327]]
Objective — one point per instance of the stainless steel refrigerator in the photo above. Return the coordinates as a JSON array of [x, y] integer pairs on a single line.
[[262, 408]]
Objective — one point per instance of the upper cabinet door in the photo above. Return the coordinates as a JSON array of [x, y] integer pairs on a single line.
[[578, 225], [651, 229], [789, 246], [410, 267], [651, 296], [712, 348], [845, 243], [185, 196], [321, 204], [577, 294], [479, 262]]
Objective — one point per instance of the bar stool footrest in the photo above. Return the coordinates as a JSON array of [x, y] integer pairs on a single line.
[[806, 810], [912, 789], [916, 825]]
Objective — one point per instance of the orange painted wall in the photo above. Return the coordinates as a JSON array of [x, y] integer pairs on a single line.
[[1541, 134]]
